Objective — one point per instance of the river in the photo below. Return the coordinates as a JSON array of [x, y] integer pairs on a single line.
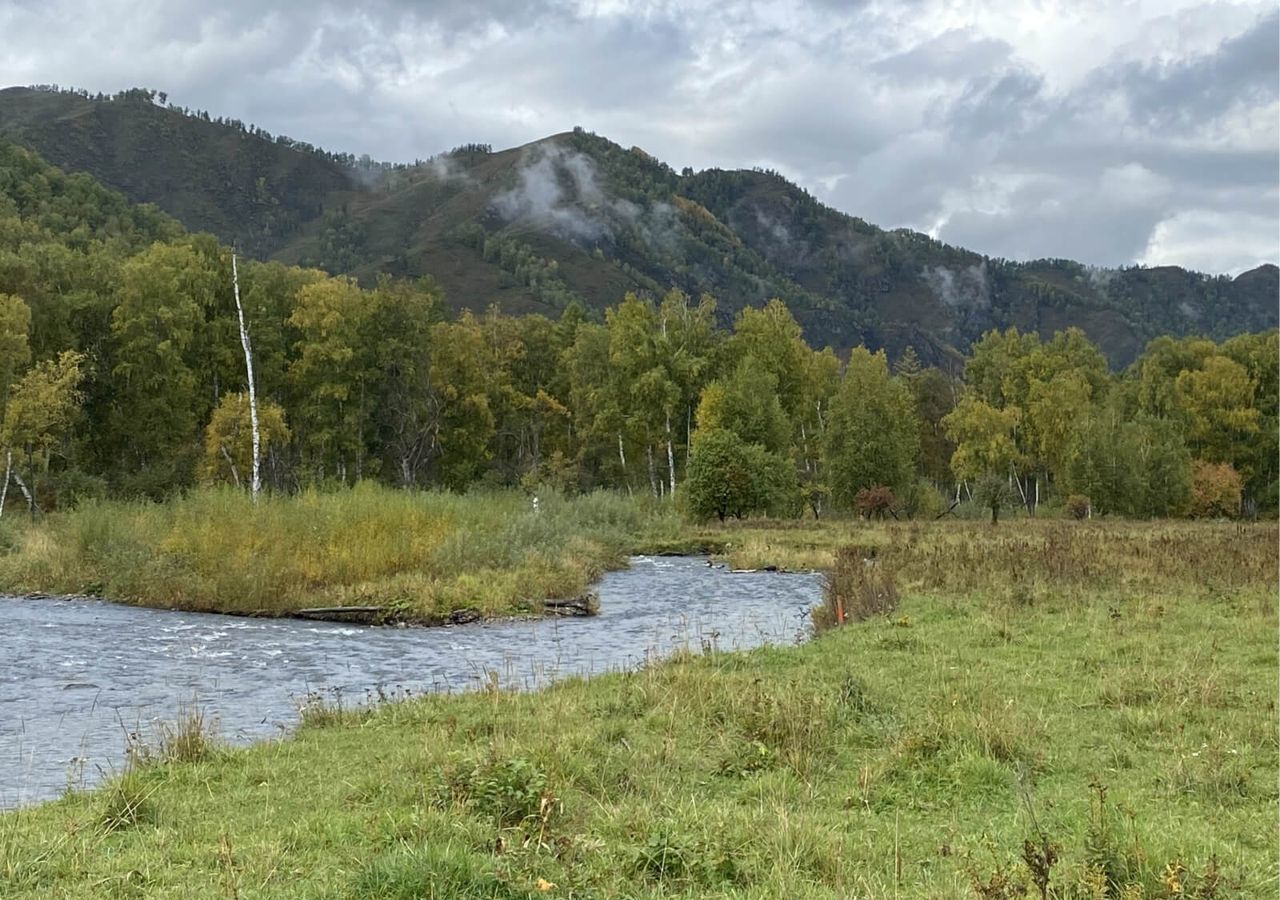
[[77, 675]]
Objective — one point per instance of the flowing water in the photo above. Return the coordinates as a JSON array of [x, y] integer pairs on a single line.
[[78, 676]]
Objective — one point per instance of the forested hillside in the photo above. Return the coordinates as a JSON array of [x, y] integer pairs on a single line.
[[577, 219], [123, 374]]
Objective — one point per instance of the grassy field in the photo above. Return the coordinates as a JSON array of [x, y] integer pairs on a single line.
[[420, 555], [1100, 697]]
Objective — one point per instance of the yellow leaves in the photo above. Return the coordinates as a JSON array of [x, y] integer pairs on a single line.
[[43, 404], [544, 886]]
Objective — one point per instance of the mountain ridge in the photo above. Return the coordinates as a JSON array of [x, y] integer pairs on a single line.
[[576, 218]]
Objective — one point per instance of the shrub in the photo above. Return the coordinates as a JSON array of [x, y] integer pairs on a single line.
[[925, 501], [511, 791], [731, 478], [1078, 506], [1215, 490], [993, 492], [875, 502], [857, 587]]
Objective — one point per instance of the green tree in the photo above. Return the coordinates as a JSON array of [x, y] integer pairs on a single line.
[[934, 394], [1260, 356], [872, 438], [746, 403], [984, 438], [1218, 403], [153, 421], [39, 416], [1104, 462], [774, 340], [15, 351], [228, 441], [333, 376], [461, 424], [1164, 468], [731, 478], [403, 317]]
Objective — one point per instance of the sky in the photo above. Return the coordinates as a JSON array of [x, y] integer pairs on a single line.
[[1109, 131]]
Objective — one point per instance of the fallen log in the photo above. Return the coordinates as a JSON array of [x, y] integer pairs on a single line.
[[365, 615], [586, 605]]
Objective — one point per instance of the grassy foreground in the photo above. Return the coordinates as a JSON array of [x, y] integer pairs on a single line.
[[421, 555], [1105, 692]]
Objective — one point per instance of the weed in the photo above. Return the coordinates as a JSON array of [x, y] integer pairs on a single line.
[[857, 587], [126, 803], [512, 792]]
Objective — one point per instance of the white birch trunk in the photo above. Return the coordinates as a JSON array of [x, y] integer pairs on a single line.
[[1016, 479], [8, 470], [22, 486], [235, 473], [255, 486], [622, 455], [653, 474]]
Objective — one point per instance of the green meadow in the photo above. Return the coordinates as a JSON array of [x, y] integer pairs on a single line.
[[1042, 709]]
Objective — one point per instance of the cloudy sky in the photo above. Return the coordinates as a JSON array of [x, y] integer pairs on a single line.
[[1109, 131]]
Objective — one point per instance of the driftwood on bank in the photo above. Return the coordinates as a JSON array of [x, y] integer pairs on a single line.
[[366, 615], [586, 605]]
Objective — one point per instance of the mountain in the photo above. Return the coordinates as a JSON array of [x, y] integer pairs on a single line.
[[576, 217]]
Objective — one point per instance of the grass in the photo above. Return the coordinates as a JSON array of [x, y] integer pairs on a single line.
[[1094, 703], [419, 555]]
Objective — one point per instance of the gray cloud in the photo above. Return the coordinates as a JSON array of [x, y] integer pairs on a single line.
[[1096, 131]]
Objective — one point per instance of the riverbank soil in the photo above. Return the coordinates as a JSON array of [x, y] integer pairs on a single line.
[[1053, 709]]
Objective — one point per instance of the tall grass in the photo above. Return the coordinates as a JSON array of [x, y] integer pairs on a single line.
[[420, 555]]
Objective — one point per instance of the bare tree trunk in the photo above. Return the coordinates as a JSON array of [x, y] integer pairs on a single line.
[[8, 470], [22, 485], [255, 486], [622, 456], [653, 473], [1013, 477], [235, 473]]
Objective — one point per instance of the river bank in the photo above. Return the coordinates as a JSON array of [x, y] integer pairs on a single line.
[[1104, 692], [418, 557]]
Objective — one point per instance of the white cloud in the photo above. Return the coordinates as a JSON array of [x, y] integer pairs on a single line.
[[1212, 240], [1094, 129]]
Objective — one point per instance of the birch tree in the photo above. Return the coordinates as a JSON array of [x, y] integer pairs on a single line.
[[872, 439], [15, 352], [229, 438], [255, 485], [333, 376], [41, 410], [154, 418]]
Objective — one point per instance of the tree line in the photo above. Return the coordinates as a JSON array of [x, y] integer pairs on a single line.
[[658, 398], [121, 373]]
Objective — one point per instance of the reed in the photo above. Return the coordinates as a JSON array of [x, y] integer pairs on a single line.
[[420, 555]]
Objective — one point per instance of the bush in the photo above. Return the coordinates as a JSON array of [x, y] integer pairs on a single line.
[[1215, 490], [731, 478], [875, 502], [1078, 506], [994, 493], [857, 587], [925, 501]]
